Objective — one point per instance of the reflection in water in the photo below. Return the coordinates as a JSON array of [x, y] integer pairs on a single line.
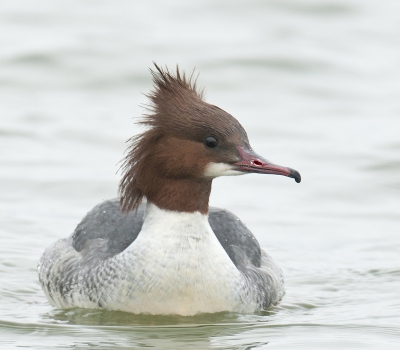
[[167, 332], [111, 318]]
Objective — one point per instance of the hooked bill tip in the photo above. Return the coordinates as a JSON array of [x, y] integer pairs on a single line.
[[296, 175]]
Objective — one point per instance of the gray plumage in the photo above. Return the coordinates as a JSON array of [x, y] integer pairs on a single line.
[[81, 267], [118, 230]]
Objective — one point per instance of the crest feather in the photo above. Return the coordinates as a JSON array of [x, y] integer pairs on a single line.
[[172, 92], [176, 109]]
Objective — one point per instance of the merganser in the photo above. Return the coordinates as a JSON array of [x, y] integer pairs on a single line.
[[171, 254]]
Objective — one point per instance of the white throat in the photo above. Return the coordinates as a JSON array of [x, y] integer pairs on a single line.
[[178, 267]]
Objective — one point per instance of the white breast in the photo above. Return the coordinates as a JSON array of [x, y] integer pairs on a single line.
[[176, 265]]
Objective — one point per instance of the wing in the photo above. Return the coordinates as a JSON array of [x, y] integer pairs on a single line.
[[107, 223]]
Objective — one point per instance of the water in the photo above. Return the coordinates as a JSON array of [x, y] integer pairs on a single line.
[[315, 84]]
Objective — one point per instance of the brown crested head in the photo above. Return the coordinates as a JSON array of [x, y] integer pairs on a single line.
[[188, 142], [173, 153]]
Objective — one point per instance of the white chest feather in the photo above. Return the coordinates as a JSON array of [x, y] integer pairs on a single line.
[[176, 265]]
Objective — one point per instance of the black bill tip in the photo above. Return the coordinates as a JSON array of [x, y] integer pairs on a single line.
[[295, 175]]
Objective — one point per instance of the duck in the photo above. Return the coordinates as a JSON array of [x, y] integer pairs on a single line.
[[159, 248]]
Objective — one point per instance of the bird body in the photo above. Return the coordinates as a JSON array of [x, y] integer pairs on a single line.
[[172, 254]]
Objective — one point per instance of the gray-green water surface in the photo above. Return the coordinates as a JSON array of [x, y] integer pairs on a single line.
[[316, 85]]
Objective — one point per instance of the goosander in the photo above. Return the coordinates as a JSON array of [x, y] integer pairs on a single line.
[[159, 248]]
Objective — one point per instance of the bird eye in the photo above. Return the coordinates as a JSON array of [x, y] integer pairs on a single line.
[[211, 142]]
